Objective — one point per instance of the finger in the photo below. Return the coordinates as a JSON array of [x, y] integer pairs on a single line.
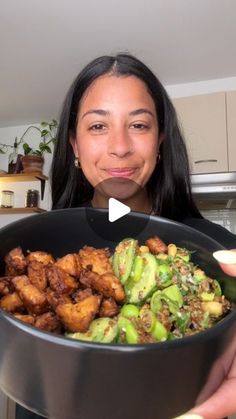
[[227, 261], [222, 403], [228, 269]]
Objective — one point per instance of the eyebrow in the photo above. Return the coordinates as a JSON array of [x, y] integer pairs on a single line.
[[140, 111], [97, 112], [103, 112]]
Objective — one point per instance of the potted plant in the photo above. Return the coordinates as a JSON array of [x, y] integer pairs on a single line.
[[33, 158]]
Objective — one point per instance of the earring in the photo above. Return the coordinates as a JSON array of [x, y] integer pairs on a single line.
[[77, 163], [158, 157]]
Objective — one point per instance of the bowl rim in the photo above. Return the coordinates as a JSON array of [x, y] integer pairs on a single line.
[[63, 340], [82, 209]]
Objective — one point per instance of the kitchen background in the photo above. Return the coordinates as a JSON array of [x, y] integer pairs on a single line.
[[207, 114], [189, 44]]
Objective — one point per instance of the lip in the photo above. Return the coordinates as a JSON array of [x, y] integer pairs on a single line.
[[121, 172]]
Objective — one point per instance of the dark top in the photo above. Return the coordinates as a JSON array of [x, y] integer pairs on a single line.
[[215, 231], [218, 233]]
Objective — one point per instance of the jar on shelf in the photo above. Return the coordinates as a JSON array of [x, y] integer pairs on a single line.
[[32, 198], [7, 199]]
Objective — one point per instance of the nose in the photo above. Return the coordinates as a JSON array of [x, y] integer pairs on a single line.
[[120, 144]]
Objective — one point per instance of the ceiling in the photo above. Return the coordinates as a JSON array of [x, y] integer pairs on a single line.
[[45, 43]]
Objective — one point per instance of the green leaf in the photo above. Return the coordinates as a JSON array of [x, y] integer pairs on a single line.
[[44, 148], [44, 132], [27, 149]]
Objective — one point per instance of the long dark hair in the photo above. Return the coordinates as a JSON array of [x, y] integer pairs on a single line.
[[169, 186]]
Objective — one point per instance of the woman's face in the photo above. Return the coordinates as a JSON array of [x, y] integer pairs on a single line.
[[117, 131]]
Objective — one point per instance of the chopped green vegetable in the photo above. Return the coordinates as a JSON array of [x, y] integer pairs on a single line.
[[159, 331], [123, 258], [128, 329], [104, 330], [137, 268], [165, 275], [137, 292], [129, 310]]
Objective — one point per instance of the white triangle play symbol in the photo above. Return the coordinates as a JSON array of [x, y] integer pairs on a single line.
[[116, 209]]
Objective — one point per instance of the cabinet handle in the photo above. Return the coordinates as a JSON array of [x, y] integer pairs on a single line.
[[206, 161]]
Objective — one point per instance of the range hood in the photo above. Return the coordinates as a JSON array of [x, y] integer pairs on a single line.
[[214, 190]]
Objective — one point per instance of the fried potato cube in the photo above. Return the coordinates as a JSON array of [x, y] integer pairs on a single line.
[[42, 257], [70, 263], [81, 294], [77, 317], [11, 303], [108, 308], [60, 281], [49, 322], [107, 284], [37, 275], [27, 318], [33, 299], [156, 245], [96, 260], [5, 285], [15, 262], [20, 281], [54, 298]]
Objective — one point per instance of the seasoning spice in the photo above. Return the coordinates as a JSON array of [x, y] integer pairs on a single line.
[[32, 198]]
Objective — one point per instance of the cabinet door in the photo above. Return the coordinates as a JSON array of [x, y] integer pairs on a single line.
[[203, 120], [231, 125]]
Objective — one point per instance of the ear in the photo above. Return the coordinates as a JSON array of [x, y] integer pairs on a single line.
[[74, 145]]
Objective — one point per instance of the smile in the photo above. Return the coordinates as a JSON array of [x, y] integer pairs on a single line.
[[121, 172]]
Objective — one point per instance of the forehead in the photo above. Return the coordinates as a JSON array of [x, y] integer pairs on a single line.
[[108, 90]]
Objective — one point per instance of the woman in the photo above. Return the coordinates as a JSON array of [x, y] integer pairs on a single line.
[[118, 123]]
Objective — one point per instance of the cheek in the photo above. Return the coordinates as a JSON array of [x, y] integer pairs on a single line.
[[149, 152], [90, 156]]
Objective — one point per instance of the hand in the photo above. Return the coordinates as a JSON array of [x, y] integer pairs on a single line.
[[219, 392]]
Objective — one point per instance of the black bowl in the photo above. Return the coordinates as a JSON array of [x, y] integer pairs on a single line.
[[61, 378]]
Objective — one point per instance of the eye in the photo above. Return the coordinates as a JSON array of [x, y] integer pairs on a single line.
[[140, 126], [97, 127]]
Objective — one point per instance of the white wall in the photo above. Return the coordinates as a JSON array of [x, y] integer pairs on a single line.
[[201, 87]]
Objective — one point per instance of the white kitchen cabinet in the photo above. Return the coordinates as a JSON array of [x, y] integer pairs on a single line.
[[231, 125], [203, 121]]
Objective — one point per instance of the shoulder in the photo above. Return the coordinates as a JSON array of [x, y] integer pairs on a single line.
[[217, 232]]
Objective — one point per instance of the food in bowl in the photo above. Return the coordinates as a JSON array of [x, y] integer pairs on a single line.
[[139, 294]]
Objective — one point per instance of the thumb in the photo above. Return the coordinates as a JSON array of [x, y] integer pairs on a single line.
[[220, 404]]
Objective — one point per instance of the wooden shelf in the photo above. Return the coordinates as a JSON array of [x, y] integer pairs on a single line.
[[22, 177], [25, 177], [20, 210]]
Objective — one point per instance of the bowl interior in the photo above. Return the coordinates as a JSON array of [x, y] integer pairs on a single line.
[[64, 231]]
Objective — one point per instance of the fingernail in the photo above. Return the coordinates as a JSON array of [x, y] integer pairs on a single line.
[[225, 256], [189, 417]]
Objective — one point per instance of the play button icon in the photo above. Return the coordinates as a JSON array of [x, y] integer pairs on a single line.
[[117, 220], [116, 209]]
